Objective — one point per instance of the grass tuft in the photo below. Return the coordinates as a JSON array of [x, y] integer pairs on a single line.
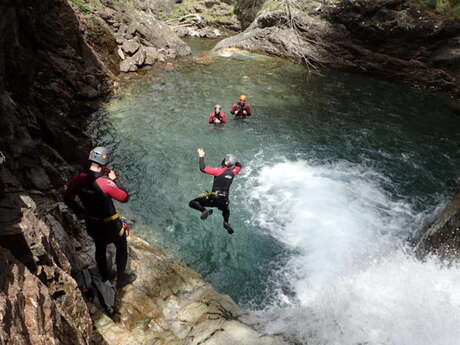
[[83, 6], [447, 7]]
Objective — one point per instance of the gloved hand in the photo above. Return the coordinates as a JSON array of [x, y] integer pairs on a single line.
[[127, 229], [238, 164]]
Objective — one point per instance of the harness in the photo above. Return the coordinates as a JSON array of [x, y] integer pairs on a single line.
[[124, 228], [207, 195]]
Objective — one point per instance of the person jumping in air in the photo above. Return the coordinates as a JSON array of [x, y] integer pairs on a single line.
[[217, 116], [241, 108], [96, 188], [223, 178]]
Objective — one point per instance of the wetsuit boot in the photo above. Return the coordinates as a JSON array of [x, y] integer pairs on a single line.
[[125, 279], [228, 228], [205, 214]]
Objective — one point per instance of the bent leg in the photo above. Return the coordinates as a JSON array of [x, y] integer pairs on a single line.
[[197, 204], [200, 203]]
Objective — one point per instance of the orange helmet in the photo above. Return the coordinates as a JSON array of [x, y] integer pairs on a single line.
[[242, 98]]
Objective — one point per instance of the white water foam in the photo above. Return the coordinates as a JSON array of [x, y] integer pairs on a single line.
[[351, 280]]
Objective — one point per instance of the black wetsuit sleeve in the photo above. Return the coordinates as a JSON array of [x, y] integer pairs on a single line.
[[238, 164], [202, 165], [71, 194]]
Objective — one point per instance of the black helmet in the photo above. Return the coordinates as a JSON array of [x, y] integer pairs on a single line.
[[229, 160], [100, 155]]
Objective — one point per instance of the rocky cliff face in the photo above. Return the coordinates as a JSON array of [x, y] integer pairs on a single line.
[[128, 35], [392, 37], [55, 68], [50, 79]]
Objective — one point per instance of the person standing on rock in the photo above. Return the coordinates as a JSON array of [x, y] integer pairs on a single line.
[[241, 109], [223, 178], [217, 116], [96, 188]]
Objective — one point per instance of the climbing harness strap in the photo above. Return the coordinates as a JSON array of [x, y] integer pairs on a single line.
[[209, 194], [112, 217]]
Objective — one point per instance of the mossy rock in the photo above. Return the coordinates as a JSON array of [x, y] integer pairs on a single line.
[[86, 5], [456, 11]]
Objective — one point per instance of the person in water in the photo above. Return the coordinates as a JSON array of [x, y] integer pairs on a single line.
[[217, 116], [241, 108], [96, 188], [223, 178]]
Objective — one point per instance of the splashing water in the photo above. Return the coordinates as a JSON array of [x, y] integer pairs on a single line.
[[351, 280]]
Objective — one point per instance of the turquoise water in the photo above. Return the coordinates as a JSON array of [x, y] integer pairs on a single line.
[[340, 171]]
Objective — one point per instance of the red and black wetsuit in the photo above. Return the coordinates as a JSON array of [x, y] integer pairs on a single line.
[[240, 107], [223, 178], [103, 224], [221, 116]]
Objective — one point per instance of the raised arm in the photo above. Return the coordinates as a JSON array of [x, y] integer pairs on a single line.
[[204, 168], [110, 188]]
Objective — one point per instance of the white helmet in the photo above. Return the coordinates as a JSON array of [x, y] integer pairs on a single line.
[[100, 155], [229, 160]]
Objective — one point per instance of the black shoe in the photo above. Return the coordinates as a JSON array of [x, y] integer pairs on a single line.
[[228, 228], [125, 279], [205, 214]]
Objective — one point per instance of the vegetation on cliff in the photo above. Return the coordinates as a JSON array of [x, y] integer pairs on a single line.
[[449, 7]]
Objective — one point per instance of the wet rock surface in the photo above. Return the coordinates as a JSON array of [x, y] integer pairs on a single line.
[[171, 304], [442, 238], [393, 38]]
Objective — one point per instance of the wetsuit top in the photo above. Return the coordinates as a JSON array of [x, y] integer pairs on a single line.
[[221, 116], [223, 177], [240, 107], [96, 192]]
